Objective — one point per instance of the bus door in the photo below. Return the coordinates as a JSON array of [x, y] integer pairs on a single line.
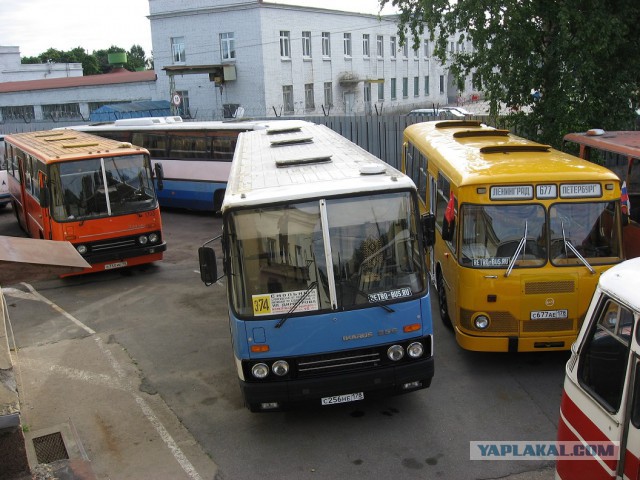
[[43, 199], [432, 201], [601, 400]]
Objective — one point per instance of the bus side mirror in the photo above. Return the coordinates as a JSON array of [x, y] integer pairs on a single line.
[[429, 229], [208, 266], [44, 197], [159, 175]]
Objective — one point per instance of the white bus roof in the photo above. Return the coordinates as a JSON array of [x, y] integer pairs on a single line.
[[622, 282], [313, 161], [175, 123]]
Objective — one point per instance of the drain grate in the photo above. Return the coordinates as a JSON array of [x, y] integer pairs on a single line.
[[50, 448]]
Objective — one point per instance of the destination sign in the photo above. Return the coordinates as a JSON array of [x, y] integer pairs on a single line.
[[511, 192], [546, 191], [580, 190]]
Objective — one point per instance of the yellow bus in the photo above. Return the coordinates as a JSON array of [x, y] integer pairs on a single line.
[[523, 233]]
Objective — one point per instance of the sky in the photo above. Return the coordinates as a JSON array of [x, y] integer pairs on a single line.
[[37, 25]]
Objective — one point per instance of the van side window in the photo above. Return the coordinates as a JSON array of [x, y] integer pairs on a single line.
[[605, 355]]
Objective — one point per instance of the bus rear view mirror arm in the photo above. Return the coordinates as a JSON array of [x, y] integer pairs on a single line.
[[208, 263]]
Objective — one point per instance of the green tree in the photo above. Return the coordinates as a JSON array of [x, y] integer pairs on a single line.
[[582, 55], [136, 59]]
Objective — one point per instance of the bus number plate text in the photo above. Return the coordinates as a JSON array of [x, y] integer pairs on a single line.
[[546, 314], [350, 397], [110, 266]]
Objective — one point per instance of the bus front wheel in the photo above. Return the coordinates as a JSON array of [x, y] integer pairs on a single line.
[[442, 302]]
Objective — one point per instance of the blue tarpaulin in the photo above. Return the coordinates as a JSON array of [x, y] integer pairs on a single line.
[[116, 111]]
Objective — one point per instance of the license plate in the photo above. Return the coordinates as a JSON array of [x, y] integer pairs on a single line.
[[546, 314], [350, 397], [109, 266]]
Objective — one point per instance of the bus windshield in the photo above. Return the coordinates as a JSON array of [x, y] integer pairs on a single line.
[[491, 235], [280, 253], [78, 188]]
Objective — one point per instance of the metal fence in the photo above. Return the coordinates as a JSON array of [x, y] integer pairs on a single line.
[[380, 135]]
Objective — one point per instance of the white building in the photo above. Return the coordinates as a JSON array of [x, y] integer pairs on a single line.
[[218, 58], [213, 56], [11, 70]]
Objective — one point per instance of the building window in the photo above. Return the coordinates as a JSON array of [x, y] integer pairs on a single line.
[[22, 113], [227, 46], [381, 91], [405, 50], [309, 102], [416, 86], [63, 110], [394, 46], [287, 98], [328, 94], [347, 44], [425, 48], [367, 92], [426, 85], [416, 53], [326, 44], [380, 46], [393, 89], [405, 87], [285, 44], [365, 45], [452, 48], [177, 50], [441, 83], [306, 44]]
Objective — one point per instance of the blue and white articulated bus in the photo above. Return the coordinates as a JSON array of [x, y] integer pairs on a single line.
[[194, 157], [323, 253]]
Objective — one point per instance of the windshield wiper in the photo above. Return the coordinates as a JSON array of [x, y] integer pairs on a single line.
[[521, 247], [300, 300], [569, 245]]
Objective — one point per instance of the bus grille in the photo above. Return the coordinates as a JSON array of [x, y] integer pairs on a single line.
[[552, 325], [113, 244], [533, 288], [340, 362]]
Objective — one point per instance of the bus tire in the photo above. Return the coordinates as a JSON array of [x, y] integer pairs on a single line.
[[442, 302]]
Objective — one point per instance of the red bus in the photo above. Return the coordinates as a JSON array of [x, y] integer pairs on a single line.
[[94, 192], [619, 151]]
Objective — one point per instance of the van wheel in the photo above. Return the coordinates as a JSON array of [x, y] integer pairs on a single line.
[[442, 303]]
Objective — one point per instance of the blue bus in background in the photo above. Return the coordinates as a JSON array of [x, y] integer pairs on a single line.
[[194, 158], [323, 252]]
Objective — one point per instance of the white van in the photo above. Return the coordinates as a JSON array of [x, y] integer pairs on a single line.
[[600, 408]]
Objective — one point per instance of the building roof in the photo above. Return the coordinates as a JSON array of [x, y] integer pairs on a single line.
[[116, 77]]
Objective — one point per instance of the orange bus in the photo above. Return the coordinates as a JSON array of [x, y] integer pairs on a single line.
[[619, 151], [94, 192]]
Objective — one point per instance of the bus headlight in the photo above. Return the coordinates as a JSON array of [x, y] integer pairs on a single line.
[[481, 322], [143, 240], [154, 238], [260, 370], [395, 353], [280, 368], [82, 249], [415, 350]]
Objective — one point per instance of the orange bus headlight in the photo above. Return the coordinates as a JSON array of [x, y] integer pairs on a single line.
[[82, 249], [481, 322], [143, 240], [154, 238]]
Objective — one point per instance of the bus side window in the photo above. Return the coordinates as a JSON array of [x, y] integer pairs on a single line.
[[604, 357], [635, 406]]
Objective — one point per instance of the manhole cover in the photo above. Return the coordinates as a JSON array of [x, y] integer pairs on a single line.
[[50, 448]]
